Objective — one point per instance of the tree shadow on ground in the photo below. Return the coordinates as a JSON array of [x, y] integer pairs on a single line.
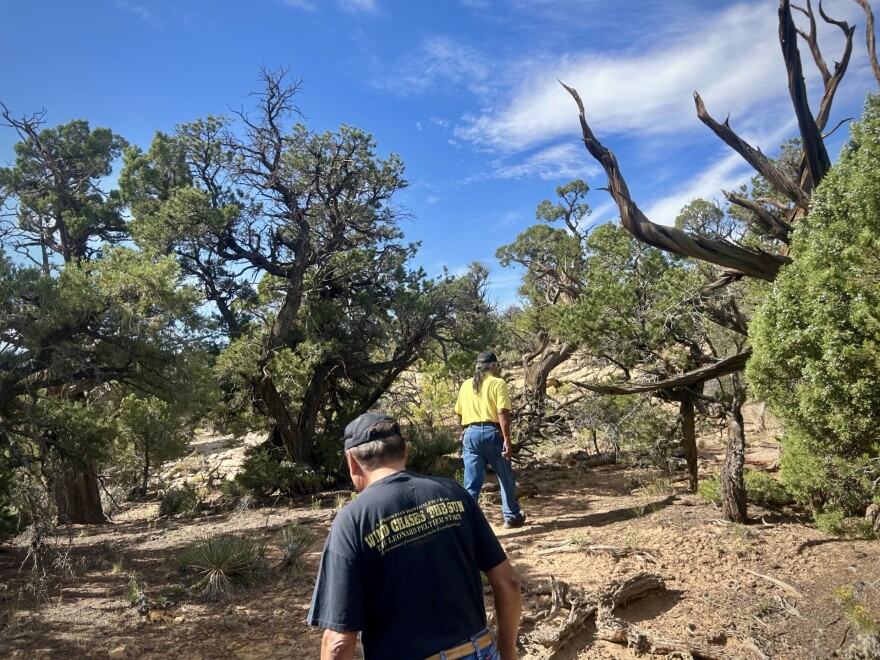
[[594, 519]]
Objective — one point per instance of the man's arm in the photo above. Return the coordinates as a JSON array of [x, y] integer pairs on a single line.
[[338, 645], [504, 421], [508, 606]]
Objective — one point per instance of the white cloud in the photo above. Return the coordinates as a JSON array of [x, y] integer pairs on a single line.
[[732, 59], [560, 161], [726, 173]]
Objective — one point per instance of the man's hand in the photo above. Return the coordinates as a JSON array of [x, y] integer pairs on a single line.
[[504, 422], [338, 645], [508, 606]]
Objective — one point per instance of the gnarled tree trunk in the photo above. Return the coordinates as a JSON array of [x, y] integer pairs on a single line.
[[733, 490], [77, 496]]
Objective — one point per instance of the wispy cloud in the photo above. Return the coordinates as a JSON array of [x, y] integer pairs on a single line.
[[359, 6], [300, 4], [726, 173], [133, 8], [732, 60], [440, 61], [554, 163]]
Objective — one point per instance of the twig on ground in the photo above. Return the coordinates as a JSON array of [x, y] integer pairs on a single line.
[[778, 583]]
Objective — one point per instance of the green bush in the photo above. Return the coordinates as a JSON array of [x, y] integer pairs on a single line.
[[835, 522], [764, 490], [264, 472], [222, 562], [761, 489], [427, 447], [295, 542], [710, 488], [816, 336], [821, 479], [179, 501]]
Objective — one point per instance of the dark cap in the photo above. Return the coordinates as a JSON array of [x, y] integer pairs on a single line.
[[361, 430], [486, 357]]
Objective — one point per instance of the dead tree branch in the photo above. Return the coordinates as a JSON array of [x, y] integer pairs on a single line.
[[869, 37], [721, 368], [723, 253]]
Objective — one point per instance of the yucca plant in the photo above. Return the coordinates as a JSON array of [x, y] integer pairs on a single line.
[[295, 541], [221, 562]]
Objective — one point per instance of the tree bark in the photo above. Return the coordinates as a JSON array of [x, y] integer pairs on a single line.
[[285, 427], [689, 440], [76, 494], [538, 372], [733, 490]]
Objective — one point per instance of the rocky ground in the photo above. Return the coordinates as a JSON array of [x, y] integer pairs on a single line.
[[766, 590]]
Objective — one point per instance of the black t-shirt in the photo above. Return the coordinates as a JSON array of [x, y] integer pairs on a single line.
[[402, 564]]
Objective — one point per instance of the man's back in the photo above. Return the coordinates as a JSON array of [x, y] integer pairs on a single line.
[[412, 540], [482, 407]]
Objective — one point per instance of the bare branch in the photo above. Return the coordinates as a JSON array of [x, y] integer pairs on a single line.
[[723, 253], [774, 226], [869, 36], [722, 368], [813, 41], [753, 157], [817, 160]]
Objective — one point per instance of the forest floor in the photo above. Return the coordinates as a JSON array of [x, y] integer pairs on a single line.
[[764, 590]]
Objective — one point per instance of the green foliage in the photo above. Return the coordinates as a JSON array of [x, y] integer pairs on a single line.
[[149, 433], [179, 501], [337, 313], [427, 447], [761, 489], [816, 359], [709, 488], [264, 473], [134, 590], [222, 562], [835, 522], [295, 542], [764, 490], [634, 425]]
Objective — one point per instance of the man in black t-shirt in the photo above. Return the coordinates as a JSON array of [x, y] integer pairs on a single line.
[[402, 563]]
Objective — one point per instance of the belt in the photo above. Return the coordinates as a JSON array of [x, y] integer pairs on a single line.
[[465, 649], [493, 424]]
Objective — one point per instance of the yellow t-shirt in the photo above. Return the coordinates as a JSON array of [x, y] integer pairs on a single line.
[[484, 407]]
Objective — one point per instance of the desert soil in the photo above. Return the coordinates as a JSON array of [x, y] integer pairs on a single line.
[[766, 590]]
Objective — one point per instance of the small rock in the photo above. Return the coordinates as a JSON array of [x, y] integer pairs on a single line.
[[720, 639], [118, 652]]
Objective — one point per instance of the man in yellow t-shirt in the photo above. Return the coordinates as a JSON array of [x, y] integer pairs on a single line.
[[483, 409]]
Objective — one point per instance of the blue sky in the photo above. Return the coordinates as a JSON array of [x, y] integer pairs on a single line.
[[465, 91]]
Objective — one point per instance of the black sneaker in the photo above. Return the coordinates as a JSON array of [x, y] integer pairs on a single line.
[[513, 523]]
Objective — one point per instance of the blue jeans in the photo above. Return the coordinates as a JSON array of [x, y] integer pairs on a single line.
[[484, 444]]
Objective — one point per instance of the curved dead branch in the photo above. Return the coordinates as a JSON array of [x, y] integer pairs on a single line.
[[763, 165], [772, 225], [724, 367], [729, 255], [869, 37]]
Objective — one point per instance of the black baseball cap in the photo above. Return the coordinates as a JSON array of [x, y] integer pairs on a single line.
[[486, 357], [362, 429]]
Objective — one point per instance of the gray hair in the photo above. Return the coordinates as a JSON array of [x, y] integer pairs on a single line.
[[377, 453]]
